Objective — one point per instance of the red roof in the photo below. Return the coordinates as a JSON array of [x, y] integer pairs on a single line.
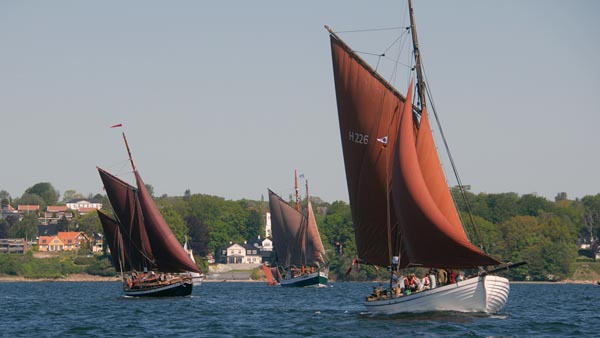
[[45, 240], [86, 210], [27, 207], [56, 208], [71, 235]]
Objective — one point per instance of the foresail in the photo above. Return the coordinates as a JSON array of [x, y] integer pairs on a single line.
[[315, 252], [429, 232], [112, 236], [168, 252], [369, 109], [433, 173]]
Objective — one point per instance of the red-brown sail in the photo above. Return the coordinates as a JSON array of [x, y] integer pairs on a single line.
[[315, 251], [277, 227], [125, 204], [287, 227], [429, 231], [369, 108], [112, 236], [423, 224], [168, 252]]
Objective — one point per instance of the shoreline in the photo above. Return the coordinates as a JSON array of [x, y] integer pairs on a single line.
[[82, 277], [79, 277]]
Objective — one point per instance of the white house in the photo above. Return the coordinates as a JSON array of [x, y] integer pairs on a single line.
[[83, 205], [241, 254]]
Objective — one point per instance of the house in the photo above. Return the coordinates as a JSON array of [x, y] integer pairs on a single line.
[[27, 208], [54, 213], [8, 211], [63, 241], [13, 245], [240, 254], [264, 244], [50, 243], [56, 208], [98, 242], [83, 204]]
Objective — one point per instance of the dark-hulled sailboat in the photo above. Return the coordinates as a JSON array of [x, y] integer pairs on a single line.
[[402, 208], [298, 247], [145, 251]]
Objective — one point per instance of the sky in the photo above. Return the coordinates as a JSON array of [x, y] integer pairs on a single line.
[[228, 98]]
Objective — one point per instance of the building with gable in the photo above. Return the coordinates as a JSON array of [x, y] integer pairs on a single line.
[[63, 241], [237, 253], [83, 205]]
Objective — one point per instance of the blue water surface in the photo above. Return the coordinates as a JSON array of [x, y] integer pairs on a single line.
[[219, 309]]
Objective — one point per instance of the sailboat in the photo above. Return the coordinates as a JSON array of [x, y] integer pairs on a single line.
[[146, 253], [197, 277], [297, 243], [402, 209]]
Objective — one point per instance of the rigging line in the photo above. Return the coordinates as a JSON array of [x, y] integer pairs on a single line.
[[371, 30], [454, 168], [368, 53], [393, 43]]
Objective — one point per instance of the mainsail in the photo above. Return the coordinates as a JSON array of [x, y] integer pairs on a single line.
[[295, 235], [418, 221], [369, 108]]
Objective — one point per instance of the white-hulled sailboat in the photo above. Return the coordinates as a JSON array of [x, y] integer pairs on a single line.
[[402, 208]]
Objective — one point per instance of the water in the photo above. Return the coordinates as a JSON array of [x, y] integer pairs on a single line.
[[98, 309]]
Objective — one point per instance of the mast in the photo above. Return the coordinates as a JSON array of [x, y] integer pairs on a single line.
[[305, 239], [129, 152], [417, 53], [297, 190]]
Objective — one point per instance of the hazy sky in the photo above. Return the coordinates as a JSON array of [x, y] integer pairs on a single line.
[[229, 97]]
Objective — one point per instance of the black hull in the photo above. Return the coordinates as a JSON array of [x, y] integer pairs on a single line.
[[181, 289]]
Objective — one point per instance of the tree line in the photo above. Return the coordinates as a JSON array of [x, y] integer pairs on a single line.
[[509, 226]]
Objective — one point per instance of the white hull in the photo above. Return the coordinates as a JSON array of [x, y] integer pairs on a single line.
[[486, 294], [197, 278]]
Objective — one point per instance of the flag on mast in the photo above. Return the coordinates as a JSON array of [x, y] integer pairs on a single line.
[[117, 125]]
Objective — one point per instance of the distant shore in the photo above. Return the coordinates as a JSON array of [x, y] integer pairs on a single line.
[[79, 277], [92, 278]]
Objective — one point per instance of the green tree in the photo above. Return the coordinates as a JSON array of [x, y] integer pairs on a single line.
[[199, 235], [46, 191], [70, 195], [175, 222], [532, 205], [31, 199], [64, 225], [89, 223], [26, 228]]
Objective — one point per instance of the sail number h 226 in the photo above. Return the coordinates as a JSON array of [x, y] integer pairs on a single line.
[[358, 137]]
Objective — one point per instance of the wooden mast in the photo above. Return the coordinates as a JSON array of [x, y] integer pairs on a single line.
[[417, 53], [129, 152]]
